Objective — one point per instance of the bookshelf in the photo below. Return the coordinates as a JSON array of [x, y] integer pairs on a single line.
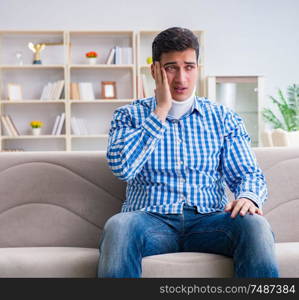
[[244, 94], [63, 58]]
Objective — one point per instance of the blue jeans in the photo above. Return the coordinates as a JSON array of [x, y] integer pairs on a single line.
[[130, 236]]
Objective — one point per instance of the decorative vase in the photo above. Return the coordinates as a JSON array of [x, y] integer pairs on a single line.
[[92, 60], [282, 138], [36, 131]]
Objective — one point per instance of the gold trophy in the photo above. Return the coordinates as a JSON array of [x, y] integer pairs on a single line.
[[37, 48]]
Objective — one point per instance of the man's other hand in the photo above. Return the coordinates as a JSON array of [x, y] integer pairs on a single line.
[[242, 206]]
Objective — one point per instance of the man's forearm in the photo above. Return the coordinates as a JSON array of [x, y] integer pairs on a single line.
[[129, 148]]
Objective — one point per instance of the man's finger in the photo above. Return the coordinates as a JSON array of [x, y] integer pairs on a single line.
[[245, 209], [237, 208], [158, 73], [155, 71], [164, 76], [252, 210], [259, 211], [228, 206]]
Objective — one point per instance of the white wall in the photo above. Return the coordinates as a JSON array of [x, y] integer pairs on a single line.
[[241, 36]]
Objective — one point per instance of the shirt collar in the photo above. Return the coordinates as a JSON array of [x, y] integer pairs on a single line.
[[198, 105]]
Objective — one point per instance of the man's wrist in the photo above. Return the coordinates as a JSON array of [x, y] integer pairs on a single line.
[[161, 113], [252, 197]]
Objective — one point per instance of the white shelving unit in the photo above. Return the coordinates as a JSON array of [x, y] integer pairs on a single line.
[[65, 60], [244, 94], [144, 50], [98, 113]]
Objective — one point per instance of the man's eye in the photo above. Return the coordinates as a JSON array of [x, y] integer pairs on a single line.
[[190, 67], [169, 68]]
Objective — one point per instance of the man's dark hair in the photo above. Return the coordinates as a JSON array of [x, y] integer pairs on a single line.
[[174, 39]]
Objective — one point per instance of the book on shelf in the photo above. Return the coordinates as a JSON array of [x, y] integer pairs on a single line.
[[9, 125], [75, 95], [78, 126], [55, 125], [58, 124], [86, 91], [126, 56], [14, 128], [52, 90], [6, 126], [119, 56], [82, 126], [75, 126], [110, 56]]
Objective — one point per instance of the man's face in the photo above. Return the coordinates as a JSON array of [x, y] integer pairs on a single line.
[[182, 71]]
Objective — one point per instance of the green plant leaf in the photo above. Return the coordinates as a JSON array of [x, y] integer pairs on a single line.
[[288, 108], [269, 116]]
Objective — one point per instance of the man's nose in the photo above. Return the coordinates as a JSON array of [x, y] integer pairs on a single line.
[[181, 75]]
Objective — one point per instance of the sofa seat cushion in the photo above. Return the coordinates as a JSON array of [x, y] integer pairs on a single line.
[[82, 262], [48, 262], [206, 265], [288, 259], [187, 264]]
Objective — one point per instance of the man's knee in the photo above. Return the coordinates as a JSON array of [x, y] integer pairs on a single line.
[[121, 222], [254, 225]]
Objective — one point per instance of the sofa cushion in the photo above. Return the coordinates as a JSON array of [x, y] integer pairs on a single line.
[[206, 265], [48, 262], [187, 264], [82, 262], [56, 199], [288, 259]]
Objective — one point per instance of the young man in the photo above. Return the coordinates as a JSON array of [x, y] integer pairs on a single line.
[[176, 151]]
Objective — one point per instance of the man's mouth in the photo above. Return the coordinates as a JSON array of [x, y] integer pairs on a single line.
[[180, 90]]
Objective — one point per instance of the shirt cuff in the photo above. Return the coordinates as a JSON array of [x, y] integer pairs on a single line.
[[153, 126], [251, 196]]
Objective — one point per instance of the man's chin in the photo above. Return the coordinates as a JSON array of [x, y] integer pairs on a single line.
[[182, 97]]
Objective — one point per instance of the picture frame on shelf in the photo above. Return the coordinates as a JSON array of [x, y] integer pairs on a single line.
[[108, 90], [14, 91]]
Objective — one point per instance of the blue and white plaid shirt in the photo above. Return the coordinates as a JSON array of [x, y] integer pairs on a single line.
[[190, 160]]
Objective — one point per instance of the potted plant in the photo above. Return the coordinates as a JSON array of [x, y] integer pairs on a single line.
[[286, 129], [36, 127], [91, 57]]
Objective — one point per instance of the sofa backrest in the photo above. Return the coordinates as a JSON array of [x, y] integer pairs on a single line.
[[281, 169], [65, 198], [56, 198]]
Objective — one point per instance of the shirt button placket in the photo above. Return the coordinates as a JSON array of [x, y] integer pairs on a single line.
[[180, 163]]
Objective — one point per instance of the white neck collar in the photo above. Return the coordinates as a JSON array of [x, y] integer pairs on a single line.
[[179, 108]]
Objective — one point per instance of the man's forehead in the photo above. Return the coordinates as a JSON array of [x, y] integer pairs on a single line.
[[176, 57]]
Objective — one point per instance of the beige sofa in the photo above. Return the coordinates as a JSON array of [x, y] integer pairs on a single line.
[[53, 206]]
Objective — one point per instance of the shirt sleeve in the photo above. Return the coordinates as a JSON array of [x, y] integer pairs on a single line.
[[240, 168], [129, 146]]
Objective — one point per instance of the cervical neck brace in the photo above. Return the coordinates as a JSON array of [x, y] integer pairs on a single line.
[[179, 108]]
